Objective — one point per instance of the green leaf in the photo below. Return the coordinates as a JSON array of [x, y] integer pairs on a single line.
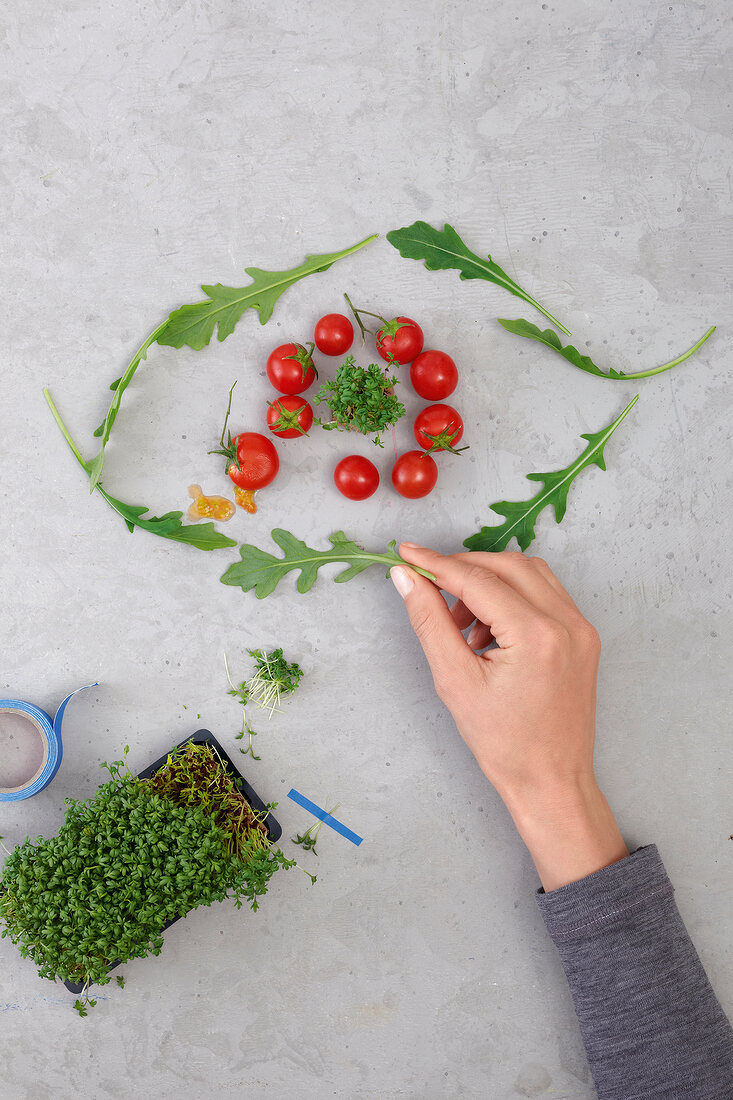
[[194, 324], [263, 571], [203, 536], [551, 340], [521, 516], [118, 387], [443, 250]]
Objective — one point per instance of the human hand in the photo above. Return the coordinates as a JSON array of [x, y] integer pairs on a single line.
[[525, 709]]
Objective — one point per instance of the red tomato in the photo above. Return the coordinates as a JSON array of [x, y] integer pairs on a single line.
[[438, 428], [434, 375], [414, 474], [290, 368], [334, 334], [401, 339], [289, 416], [356, 477], [258, 461]]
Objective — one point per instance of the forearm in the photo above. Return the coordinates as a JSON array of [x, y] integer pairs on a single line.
[[569, 829], [651, 1023]]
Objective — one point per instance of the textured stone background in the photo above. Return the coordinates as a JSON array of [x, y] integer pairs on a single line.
[[150, 147]]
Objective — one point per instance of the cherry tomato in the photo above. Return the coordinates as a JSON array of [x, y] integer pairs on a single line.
[[289, 416], [290, 368], [438, 428], [401, 339], [356, 477], [434, 375], [257, 461], [334, 334], [414, 474]]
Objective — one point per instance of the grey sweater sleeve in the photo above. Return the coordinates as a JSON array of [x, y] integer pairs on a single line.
[[651, 1023]]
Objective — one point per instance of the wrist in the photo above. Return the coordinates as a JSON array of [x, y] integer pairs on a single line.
[[568, 828]]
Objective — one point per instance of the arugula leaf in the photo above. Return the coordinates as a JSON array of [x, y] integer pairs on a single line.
[[203, 536], [521, 516], [194, 324], [263, 571], [443, 249], [118, 387], [551, 340]]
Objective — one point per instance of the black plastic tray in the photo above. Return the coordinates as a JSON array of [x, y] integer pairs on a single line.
[[204, 737]]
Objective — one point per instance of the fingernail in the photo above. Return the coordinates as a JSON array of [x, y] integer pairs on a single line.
[[402, 580], [412, 545], [472, 635]]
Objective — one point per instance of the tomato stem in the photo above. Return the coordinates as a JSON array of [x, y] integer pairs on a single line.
[[359, 321], [226, 418]]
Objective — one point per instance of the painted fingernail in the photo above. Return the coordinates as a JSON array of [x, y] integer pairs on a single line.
[[402, 580]]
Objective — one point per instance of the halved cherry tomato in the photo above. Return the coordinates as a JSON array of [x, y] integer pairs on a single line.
[[434, 375], [290, 368], [414, 474], [439, 428], [289, 416], [356, 477], [334, 334], [400, 340]]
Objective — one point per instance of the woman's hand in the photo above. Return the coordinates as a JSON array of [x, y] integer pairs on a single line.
[[525, 709]]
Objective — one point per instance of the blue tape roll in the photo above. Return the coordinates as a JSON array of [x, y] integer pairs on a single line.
[[50, 731]]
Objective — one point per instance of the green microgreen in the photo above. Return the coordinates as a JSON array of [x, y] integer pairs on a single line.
[[360, 398], [273, 678], [136, 855], [307, 840]]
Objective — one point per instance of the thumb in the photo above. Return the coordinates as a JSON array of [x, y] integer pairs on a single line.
[[442, 642]]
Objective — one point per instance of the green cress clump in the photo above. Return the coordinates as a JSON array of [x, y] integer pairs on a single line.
[[124, 863], [360, 398]]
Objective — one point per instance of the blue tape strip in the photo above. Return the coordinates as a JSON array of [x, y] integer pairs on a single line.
[[323, 816], [51, 735]]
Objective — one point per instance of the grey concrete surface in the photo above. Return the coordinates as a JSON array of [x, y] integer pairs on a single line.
[[150, 147]]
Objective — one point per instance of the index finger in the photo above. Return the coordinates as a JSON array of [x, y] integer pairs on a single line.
[[510, 617]]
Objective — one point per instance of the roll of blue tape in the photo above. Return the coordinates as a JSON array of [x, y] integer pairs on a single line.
[[50, 731]]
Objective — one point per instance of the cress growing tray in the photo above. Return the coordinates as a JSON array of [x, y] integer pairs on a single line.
[[204, 737]]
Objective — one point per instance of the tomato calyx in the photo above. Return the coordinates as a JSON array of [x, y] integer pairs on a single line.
[[288, 419], [304, 356], [443, 441]]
